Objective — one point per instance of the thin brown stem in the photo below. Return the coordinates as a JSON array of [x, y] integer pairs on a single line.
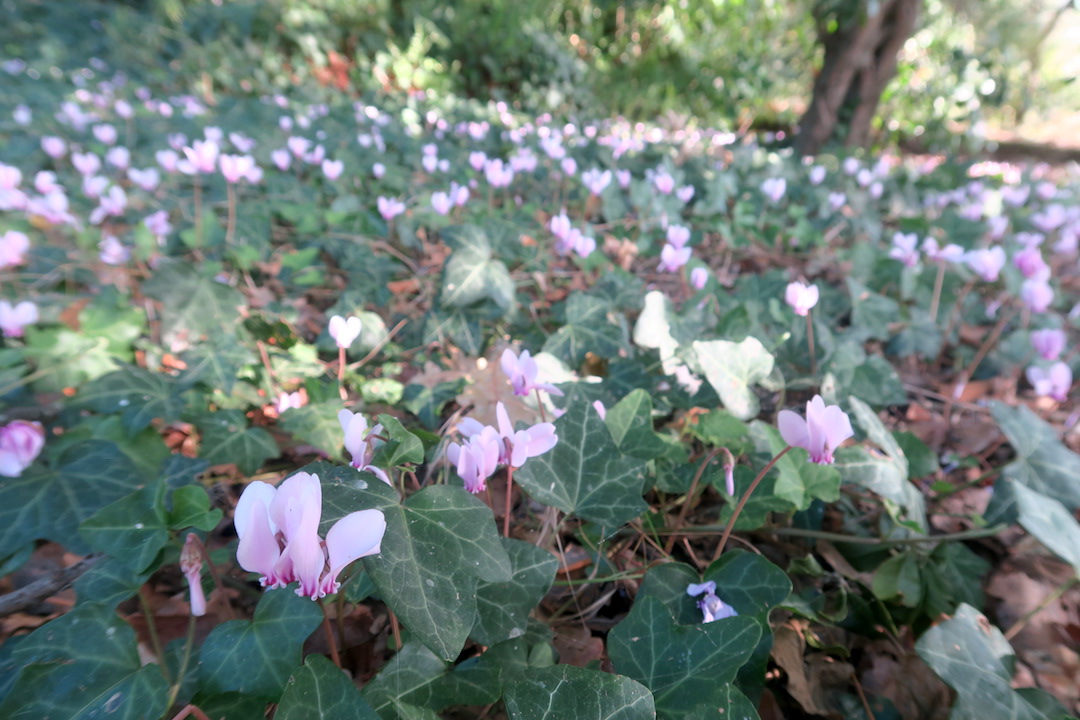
[[341, 374], [395, 629], [151, 629], [329, 632], [190, 710], [540, 405], [742, 502], [1058, 592], [670, 544], [936, 299], [230, 223], [810, 343], [509, 494]]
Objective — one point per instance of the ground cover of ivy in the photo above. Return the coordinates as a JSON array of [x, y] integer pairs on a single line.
[[178, 349]]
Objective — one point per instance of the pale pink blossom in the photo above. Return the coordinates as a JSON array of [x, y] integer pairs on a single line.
[[1036, 294], [168, 160], [678, 236], [802, 298], [986, 262], [498, 174], [119, 157], [623, 177], [344, 331], [905, 248], [664, 182], [699, 277], [1054, 381], [476, 459], [53, 146], [600, 409], [389, 208], [13, 248], [673, 258], [514, 446], [950, 253], [1049, 343], [203, 156], [45, 183], [522, 371], [281, 159], [360, 442], [147, 179], [241, 142], [378, 170], [560, 225], [15, 318], [595, 180], [235, 168], [112, 251], [158, 224], [685, 193], [477, 160], [86, 163], [817, 174], [441, 203], [105, 133], [279, 536], [21, 442], [820, 433], [837, 200], [1029, 261], [711, 606], [774, 188], [332, 169]]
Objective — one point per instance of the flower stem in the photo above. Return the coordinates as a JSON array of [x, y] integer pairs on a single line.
[[810, 342], [742, 503], [175, 689], [198, 213], [329, 635], [151, 629], [936, 299], [341, 373], [540, 404], [509, 493], [690, 495], [230, 227]]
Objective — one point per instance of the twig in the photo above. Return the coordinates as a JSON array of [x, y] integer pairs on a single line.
[[329, 635], [40, 589], [191, 710], [742, 503], [509, 494], [1058, 592]]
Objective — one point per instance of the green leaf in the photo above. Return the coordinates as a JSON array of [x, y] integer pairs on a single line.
[[109, 582], [683, 665], [402, 684], [226, 438], [585, 474], [900, 578], [503, 608], [316, 424], [975, 659], [587, 329], [882, 476], [217, 362], [139, 395], [191, 509], [1050, 523], [472, 275], [194, 306], [871, 314], [731, 368], [799, 481], [132, 529], [320, 691], [84, 665], [403, 447], [563, 692], [51, 503], [256, 657], [631, 425], [748, 582], [1042, 462]]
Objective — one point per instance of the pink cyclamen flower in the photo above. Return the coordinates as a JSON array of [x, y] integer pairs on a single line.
[[105, 133], [1030, 263], [298, 146], [774, 188], [14, 319], [21, 442], [817, 174], [147, 179], [281, 159], [823, 430], [378, 170], [699, 277], [344, 331], [167, 159], [332, 169], [685, 193], [560, 225], [678, 236], [477, 160], [595, 180], [389, 208], [673, 258], [86, 163], [664, 182], [13, 248], [1037, 294], [279, 536], [359, 441], [1049, 343], [514, 446], [53, 146], [711, 606], [1054, 381], [118, 157], [476, 459], [203, 155], [802, 298], [986, 262], [112, 251], [905, 248], [158, 224], [950, 253], [191, 565], [498, 174], [837, 200], [235, 167], [600, 409], [522, 371], [623, 177], [441, 203]]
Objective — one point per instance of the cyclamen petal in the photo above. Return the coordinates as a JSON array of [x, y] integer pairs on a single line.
[[354, 536], [258, 550], [343, 331], [823, 430]]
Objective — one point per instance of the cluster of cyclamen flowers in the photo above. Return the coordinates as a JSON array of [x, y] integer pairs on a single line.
[[486, 447]]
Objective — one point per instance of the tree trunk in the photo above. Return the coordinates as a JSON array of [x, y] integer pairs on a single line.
[[860, 60]]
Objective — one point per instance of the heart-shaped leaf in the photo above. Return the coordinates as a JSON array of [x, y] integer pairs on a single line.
[[194, 305], [731, 368], [631, 425], [226, 438], [503, 608], [132, 529], [1050, 523], [587, 330], [585, 474], [564, 691], [256, 657], [320, 691], [138, 395]]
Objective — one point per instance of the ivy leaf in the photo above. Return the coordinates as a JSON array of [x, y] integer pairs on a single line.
[[731, 368], [51, 503], [217, 362], [139, 395], [503, 608], [437, 546], [683, 665], [84, 665], [191, 509], [320, 691], [798, 481], [1042, 463], [472, 274], [400, 687], [316, 424], [564, 691], [585, 474], [1050, 523], [631, 425], [226, 438], [403, 447], [109, 582], [975, 659], [194, 306], [256, 657], [131, 529], [587, 329]]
